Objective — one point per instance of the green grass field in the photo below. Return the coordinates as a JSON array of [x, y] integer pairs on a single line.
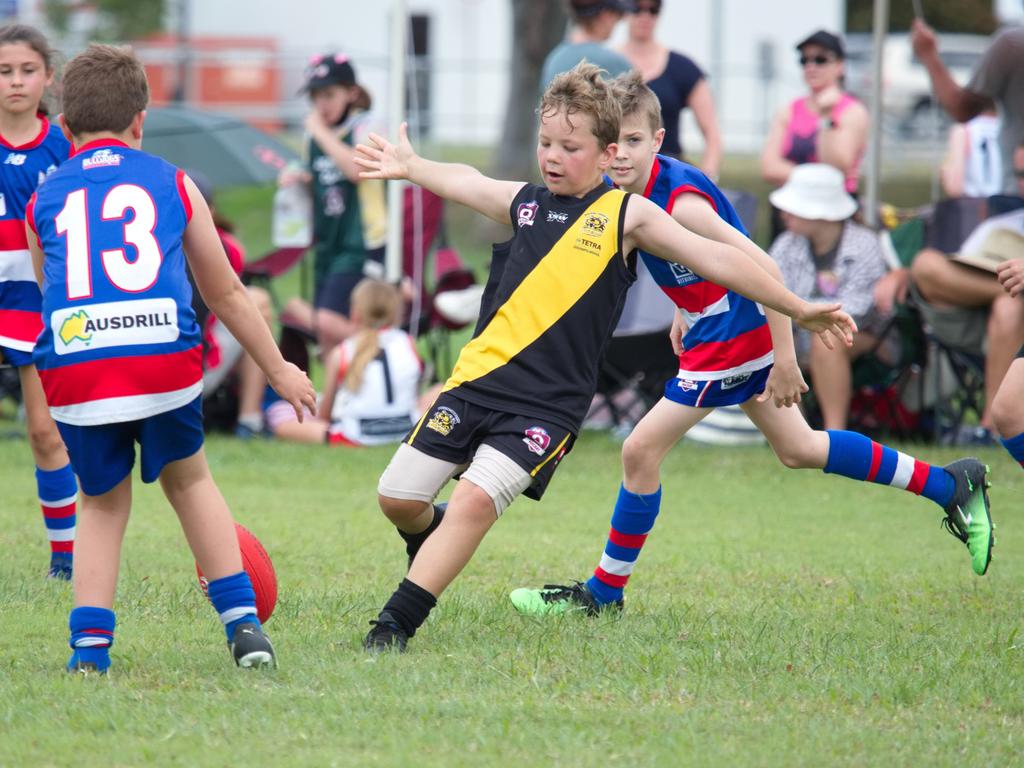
[[776, 618]]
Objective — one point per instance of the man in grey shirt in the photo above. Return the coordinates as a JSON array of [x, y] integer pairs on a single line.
[[592, 24], [998, 79]]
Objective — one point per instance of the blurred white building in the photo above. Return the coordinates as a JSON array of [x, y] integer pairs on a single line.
[[745, 46]]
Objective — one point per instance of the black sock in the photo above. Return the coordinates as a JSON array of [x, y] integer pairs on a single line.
[[413, 541], [409, 606]]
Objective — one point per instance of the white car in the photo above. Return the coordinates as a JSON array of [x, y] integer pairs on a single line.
[[906, 89]]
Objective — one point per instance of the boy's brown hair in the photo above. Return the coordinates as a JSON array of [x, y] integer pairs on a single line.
[[582, 90], [105, 86], [636, 98]]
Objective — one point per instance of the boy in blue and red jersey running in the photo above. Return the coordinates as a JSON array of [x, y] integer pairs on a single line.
[[733, 353], [32, 148], [119, 356]]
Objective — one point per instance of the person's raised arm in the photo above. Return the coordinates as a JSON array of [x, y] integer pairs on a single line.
[[330, 143], [774, 167], [461, 183], [228, 299], [843, 144], [959, 103], [954, 165], [647, 226]]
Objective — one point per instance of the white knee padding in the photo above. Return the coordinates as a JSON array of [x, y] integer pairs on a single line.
[[500, 477], [412, 474]]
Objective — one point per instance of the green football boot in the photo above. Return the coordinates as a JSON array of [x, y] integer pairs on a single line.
[[555, 599], [967, 514]]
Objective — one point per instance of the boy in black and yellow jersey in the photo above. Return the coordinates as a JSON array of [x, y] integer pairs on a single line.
[[521, 387]]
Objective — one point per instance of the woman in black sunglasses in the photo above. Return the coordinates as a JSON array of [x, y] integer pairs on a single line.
[[826, 126], [678, 83]]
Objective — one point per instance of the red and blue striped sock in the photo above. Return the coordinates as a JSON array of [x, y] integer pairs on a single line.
[[1015, 447], [234, 600], [92, 634], [632, 520], [853, 455], [58, 493]]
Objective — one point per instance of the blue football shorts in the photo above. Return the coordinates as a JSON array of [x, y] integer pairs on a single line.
[[731, 390], [15, 358], [103, 455]]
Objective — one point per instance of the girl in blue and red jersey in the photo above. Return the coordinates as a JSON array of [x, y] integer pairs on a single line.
[[32, 149], [732, 353]]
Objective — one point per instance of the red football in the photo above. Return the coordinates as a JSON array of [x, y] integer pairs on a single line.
[[261, 572]]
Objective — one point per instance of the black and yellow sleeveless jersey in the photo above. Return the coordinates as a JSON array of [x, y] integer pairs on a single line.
[[553, 298]]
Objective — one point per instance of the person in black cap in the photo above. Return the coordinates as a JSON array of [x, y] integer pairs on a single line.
[[592, 24], [826, 126], [349, 216]]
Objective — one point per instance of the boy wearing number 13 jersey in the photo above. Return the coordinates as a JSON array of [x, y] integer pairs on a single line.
[[134, 319], [120, 356]]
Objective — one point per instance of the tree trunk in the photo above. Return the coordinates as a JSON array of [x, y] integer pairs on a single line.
[[537, 27]]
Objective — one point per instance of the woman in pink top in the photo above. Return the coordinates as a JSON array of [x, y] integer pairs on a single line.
[[826, 126]]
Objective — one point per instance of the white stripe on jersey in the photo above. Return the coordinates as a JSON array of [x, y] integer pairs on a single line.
[[748, 367], [16, 266], [114, 410], [19, 344]]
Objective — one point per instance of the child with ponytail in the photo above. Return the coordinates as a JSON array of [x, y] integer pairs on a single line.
[[372, 382]]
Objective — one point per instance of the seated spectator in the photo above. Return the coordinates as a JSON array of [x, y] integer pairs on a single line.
[[223, 356], [973, 166], [372, 380], [824, 255], [966, 307]]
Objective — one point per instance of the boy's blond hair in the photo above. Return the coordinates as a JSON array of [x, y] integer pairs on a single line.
[[105, 86], [582, 90], [636, 98]]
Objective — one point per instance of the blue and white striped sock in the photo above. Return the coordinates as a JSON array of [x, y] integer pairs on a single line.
[[632, 519], [234, 600], [857, 457], [58, 494], [92, 634]]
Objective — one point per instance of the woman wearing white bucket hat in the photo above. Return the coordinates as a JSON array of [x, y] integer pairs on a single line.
[[824, 254]]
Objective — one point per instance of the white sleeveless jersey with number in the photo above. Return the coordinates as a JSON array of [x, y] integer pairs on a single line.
[[983, 170], [384, 408]]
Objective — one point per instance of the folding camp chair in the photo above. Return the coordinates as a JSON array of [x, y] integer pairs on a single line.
[[956, 372], [433, 271]]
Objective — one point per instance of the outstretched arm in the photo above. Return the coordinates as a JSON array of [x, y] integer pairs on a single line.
[[786, 384], [647, 226], [462, 183], [228, 299], [959, 103]]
